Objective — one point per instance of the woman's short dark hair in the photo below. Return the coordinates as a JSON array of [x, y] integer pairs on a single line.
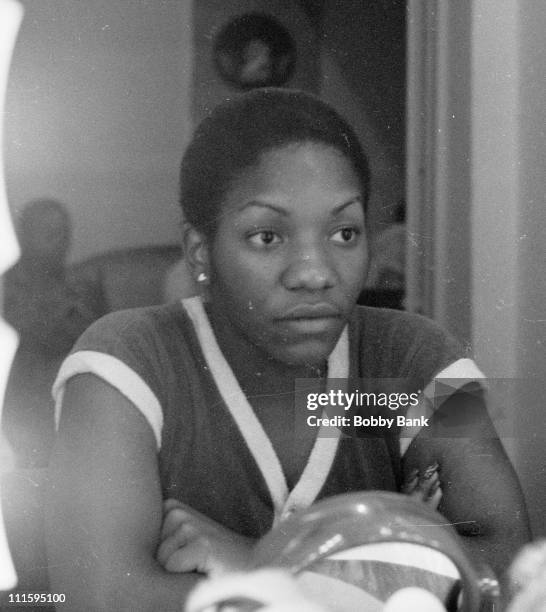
[[237, 132]]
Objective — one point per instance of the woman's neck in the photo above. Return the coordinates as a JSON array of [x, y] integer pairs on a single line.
[[255, 370]]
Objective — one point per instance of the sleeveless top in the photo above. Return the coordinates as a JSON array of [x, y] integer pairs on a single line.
[[212, 450]]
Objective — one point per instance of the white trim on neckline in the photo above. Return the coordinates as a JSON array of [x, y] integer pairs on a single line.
[[322, 455]]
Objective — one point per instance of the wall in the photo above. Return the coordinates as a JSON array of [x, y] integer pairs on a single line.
[[97, 114], [509, 221], [477, 118], [439, 163]]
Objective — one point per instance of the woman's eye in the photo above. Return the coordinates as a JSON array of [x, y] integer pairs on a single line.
[[345, 234], [264, 238]]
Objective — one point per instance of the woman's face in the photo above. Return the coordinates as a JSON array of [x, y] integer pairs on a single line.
[[289, 257]]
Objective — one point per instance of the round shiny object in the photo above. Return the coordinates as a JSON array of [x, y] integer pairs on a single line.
[[345, 522]]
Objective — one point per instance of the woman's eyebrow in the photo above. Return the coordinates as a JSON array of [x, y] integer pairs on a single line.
[[277, 208], [341, 207], [274, 207]]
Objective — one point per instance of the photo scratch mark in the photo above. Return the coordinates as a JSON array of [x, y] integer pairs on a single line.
[[445, 524]]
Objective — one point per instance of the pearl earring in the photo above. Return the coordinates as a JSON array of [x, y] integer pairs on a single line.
[[202, 277]]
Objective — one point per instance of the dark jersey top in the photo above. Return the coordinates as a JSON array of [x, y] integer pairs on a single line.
[[155, 357]]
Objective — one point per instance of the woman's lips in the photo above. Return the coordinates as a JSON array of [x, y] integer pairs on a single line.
[[313, 325], [311, 311], [312, 318]]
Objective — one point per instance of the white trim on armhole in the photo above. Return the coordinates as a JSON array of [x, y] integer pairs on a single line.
[[452, 378], [115, 373]]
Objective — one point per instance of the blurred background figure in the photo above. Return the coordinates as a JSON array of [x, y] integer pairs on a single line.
[[387, 267], [386, 280], [49, 310]]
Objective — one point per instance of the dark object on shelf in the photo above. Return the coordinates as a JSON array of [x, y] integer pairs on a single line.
[[254, 50]]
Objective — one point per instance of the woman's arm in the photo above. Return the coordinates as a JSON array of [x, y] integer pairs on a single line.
[[191, 541], [481, 495], [104, 509]]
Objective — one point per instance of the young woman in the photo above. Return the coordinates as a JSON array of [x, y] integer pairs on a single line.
[[178, 439]]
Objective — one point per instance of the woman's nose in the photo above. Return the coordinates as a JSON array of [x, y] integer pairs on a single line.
[[310, 270]]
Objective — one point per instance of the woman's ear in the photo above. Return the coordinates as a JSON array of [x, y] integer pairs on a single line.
[[196, 252]]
